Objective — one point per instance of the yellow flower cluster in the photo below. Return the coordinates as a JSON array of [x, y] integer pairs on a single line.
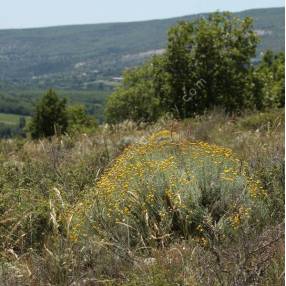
[[237, 218], [163, 176], [202, 241], [255, 188]]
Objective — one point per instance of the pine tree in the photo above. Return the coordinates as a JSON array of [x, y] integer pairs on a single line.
[[50, 116]]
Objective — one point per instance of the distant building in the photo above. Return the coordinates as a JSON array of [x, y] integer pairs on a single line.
[[117, 78]]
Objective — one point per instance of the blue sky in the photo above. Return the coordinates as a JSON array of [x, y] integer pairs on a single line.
[[39, 13]]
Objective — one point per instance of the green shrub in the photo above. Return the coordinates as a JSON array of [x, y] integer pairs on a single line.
[[50, 117], [165, 190], [135, 99], [79, 121], [263, 121]]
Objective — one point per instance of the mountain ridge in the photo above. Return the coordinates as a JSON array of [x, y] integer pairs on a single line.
[[89, 56], [139, 21]]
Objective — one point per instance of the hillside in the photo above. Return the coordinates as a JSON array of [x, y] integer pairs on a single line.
[[171, 173], [174, 203], [90, 56]]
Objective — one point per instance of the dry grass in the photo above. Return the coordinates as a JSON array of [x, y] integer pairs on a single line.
[[40, 182]]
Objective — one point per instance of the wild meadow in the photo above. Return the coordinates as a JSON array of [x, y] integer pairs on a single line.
[[181, 183], [198, 201]]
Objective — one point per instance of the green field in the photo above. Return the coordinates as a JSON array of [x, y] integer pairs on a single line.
[[10, 119]]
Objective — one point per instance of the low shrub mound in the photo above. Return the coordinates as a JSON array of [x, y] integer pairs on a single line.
[[168, 189]]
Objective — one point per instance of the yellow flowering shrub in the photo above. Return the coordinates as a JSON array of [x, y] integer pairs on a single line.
[[167, 189]]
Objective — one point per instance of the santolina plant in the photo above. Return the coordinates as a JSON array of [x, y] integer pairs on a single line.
[[167, 189]]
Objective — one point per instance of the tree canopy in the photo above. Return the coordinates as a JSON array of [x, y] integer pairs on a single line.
[[50, 116], [207, 63]]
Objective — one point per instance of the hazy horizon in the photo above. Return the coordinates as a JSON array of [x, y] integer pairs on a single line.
[[32, 14]]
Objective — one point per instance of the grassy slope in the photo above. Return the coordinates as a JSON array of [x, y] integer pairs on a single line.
[[45, 182]]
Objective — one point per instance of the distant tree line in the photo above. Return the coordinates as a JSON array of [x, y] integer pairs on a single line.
[[207, 63], [14, 105]]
